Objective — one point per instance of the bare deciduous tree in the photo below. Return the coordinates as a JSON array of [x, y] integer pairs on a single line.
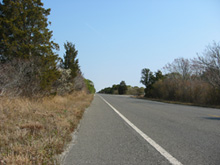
[[209, 63], [180, 66]]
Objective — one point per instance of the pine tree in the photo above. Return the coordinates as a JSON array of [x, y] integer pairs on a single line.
[[70, 61], [24, 31], [24, 34], [122, 89], [147, 79]]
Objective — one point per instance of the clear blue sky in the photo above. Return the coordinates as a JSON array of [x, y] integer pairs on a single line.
[[116, 39]]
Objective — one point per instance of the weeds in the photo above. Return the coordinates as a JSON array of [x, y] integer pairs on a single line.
[[36, 131]]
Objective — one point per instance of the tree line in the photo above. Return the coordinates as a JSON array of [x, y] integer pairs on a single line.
[[122, 89], [29, 63], [194, 80]]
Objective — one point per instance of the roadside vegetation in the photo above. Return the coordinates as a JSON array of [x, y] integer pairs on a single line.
[[42, 96], [195, 81], [190, 81], [123, 89], [37, 131]]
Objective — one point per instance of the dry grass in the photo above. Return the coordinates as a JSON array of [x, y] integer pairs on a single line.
[[34, 132]]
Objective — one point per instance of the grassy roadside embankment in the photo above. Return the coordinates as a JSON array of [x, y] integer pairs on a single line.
[[35, 132]]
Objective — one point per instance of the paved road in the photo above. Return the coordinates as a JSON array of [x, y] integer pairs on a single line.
[[190, 134]]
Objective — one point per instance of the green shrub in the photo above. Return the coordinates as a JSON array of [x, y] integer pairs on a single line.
[[90, 86]]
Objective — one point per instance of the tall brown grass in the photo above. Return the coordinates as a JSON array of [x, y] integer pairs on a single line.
[[36, 131]]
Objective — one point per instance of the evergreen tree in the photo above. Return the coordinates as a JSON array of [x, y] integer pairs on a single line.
[[70, 61], [23, 30], [159, 75], [122, 89], [24, 35], [147, 79]]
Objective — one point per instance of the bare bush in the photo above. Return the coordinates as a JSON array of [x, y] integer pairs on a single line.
[[20, 78], [66, 84], [79, 83], [136, 91]]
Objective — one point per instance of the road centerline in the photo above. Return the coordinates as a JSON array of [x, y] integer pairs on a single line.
[[162, 151]]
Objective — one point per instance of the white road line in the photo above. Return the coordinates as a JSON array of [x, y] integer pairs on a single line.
[[162, 151]]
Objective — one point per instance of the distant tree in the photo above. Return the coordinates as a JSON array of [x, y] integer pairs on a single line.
[[114, 89], [122, 88], [107, 90], [181, 66], [159, 75], [70, 61], [147, 79]]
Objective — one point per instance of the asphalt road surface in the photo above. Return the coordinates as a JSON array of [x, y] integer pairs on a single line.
[[119, 130]]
